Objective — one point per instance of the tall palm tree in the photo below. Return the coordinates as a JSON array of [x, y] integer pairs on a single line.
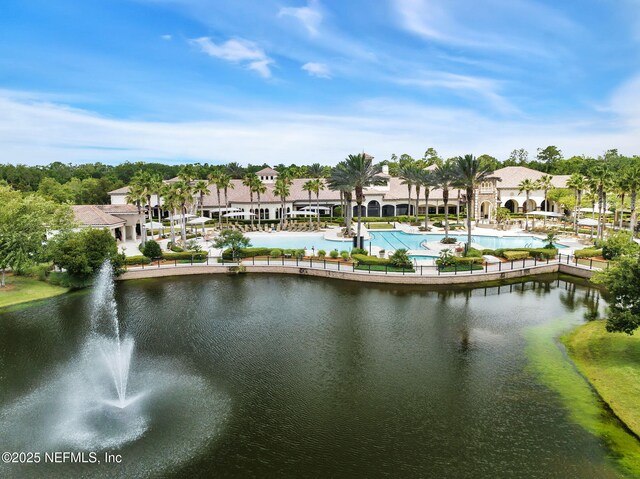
[[136, 196], [340, 180], [527, 186], [213, 179], [250, 180], [171, 203], [470, 172], [577, 183], [283, 190], [406, 173], [633, 177], [184, 195], [308, 187], [318, 186], [363, 174], [259, 189], [201, 188], [224, 183], [544, 183], [445, 179], [621, 187], [601, 179], [426, 179]]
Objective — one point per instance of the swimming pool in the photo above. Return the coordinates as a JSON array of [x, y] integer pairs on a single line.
[[387, 240]]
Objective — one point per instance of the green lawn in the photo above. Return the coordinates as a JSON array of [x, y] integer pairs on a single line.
[[611, 363], [381, 267], [21, 289], [461, 267]]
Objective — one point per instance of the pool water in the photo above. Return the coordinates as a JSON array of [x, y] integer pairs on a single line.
[[389, 240]]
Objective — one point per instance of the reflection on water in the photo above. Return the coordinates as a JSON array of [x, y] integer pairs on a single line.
[[339, 379]]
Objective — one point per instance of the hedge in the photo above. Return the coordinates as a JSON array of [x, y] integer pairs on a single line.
[[467, 260], [372, 260], [460, 267], [539, 253], [512, 255], [134, 260], [247, 252], [587, 253], [386, 268], [186, 255]]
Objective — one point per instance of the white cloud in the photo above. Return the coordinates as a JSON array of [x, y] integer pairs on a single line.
[[317, 69], [237, 50], [310, 16], [38, 132], [166, 37]]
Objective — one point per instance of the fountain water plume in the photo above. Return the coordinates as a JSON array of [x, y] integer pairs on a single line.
[[115, 351]]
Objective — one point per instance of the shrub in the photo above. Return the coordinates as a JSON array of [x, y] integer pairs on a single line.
[[488, 251], [334, 254], [449, 240], [275, 253], [134, 260], [474, 253], [152, 249], [513, 255], [298, 253], [400, 259], [372, 260], [322, 253], [345, 255], [186, 256], [619, 244], [587, 253], [539, 253], [358, 251], [467, 260]]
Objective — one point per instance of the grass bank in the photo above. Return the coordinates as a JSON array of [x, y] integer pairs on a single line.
[[549, 362], [611, 363], [22, 289]]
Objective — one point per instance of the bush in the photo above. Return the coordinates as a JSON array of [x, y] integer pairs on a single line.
[[400, 259], [587, 253], [334, 254], [467, 260], [358, 251], [246, 252], [345, 255], [449, 240], [276, 253], [372, 260], [474, 253], [513, 255], [619, 244], [488, 251], [322, 253], [135, 260], [152, 250], [538, 253], [186, 256]]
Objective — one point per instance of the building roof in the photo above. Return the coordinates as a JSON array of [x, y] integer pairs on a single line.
[[511, 176], [120, 191], [120, 209], [268, 171], [92, 215]]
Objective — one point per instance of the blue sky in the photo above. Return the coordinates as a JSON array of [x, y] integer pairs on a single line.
[[304, 81]]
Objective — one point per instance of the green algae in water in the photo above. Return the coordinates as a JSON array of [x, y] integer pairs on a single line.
[[549, 361]]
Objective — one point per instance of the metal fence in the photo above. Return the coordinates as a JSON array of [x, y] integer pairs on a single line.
[[348, 266]]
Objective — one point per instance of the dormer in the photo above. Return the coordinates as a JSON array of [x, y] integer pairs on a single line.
[[267, 175]]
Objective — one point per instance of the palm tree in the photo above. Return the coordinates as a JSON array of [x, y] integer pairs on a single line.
[[308, 187], [544, 183], [527, 186], [224, 183], [426, 179], [184, 196], [282, 189], [259, 188], [250, 180], [136, 196], [407, 173], [214, 178], [316, 170], [318, 186], [363, 173], [201, 188], [234, 170], [601, 179], [577, 183], [470, 172], [633, 176], [445, 179], [341, 181], [621, 186], [171, 203]]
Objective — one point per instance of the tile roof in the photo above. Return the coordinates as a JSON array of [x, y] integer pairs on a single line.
[[511, 177], [119, 209], [92, 215], [268, 171], [120, 191]]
